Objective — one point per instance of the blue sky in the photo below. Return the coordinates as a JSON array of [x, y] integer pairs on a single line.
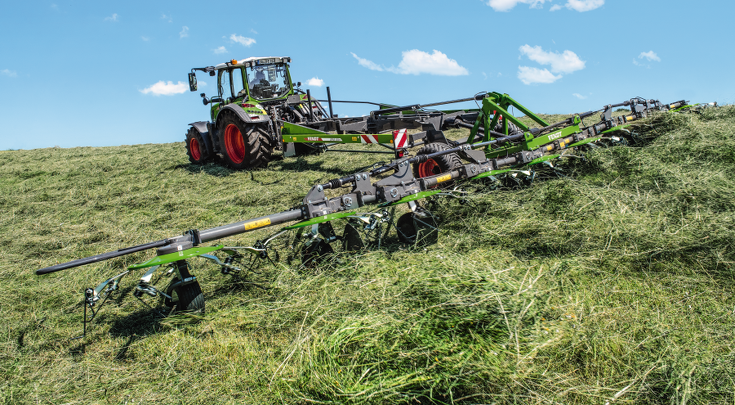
[[101, 73]]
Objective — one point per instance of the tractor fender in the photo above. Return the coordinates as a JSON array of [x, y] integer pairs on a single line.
[[203, 129], [260, 119]]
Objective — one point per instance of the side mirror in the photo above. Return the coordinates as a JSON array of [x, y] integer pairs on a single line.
[[298, 84], [192, 82], [204, 99]]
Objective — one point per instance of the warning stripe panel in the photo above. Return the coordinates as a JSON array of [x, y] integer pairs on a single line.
[[369, 139], [400, 139]]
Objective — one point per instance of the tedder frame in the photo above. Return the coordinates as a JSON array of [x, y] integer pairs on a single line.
[[498, 145]]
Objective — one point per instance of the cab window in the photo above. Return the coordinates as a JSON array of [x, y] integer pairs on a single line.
[[225, 84], [268, 81], [237, 83]]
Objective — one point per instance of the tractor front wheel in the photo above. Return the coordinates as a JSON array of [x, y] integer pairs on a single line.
[[196, 149], [244, 145]]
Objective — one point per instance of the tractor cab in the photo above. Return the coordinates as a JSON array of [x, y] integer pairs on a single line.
[[247, 82]]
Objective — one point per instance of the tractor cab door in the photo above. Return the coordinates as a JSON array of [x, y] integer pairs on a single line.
[[231, 85], [231, 88]]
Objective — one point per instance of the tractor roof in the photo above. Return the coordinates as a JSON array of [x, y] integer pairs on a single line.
[[254, 61]]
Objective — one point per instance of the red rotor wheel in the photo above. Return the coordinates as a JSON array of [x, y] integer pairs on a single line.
[[429, 168]]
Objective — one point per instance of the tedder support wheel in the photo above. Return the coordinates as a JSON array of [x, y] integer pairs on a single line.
[[418, 228], [186, 296], [196, 148], [244, 145], [438, 165]]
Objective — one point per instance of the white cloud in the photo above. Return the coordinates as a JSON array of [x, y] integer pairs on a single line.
[[530, 75], [584, 5], [55, 7], [184, 32], [165, 88], [367, 63], [315, 81], [555, 7], [416, 62], [146, 39], [579, 96], [9, 73], [507, 5], [111, 18], [220, 50], [484, 75], [167, 18], [244, 41], [650, 55], [566, 62], [201, 83], [254, 31], [561, 64]]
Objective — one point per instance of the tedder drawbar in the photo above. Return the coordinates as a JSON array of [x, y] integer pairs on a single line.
[[504, 150]]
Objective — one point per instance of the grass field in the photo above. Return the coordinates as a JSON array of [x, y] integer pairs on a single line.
[[611, 285]]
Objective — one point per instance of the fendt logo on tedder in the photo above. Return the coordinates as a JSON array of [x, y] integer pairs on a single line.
[[555, 135]]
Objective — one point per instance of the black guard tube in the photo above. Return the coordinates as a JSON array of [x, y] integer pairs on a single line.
[[204, 236], [249, 225], [395, 109], [104, 256]]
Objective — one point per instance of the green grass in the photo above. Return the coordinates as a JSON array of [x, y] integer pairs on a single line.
[[613, 284]]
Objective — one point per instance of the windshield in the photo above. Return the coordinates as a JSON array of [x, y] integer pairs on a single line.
[[268, 81]]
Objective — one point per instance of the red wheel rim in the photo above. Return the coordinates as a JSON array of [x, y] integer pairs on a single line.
[[429, 168], [196, 153], [234, 144]]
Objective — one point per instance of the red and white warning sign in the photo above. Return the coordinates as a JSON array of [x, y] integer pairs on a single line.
[[400, 139], [369, 139]]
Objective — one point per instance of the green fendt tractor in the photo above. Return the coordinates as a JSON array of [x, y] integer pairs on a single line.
[[253, 95]]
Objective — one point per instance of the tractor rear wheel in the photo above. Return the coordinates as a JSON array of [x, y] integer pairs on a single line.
[[244, 145], [196, 149], [437, 165]]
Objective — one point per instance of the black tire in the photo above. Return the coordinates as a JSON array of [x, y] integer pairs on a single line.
[[196, 149], [441, 164], [244, 146], [315, 254], [512, 128], [187, 297], [352, 240], [416, 228]]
